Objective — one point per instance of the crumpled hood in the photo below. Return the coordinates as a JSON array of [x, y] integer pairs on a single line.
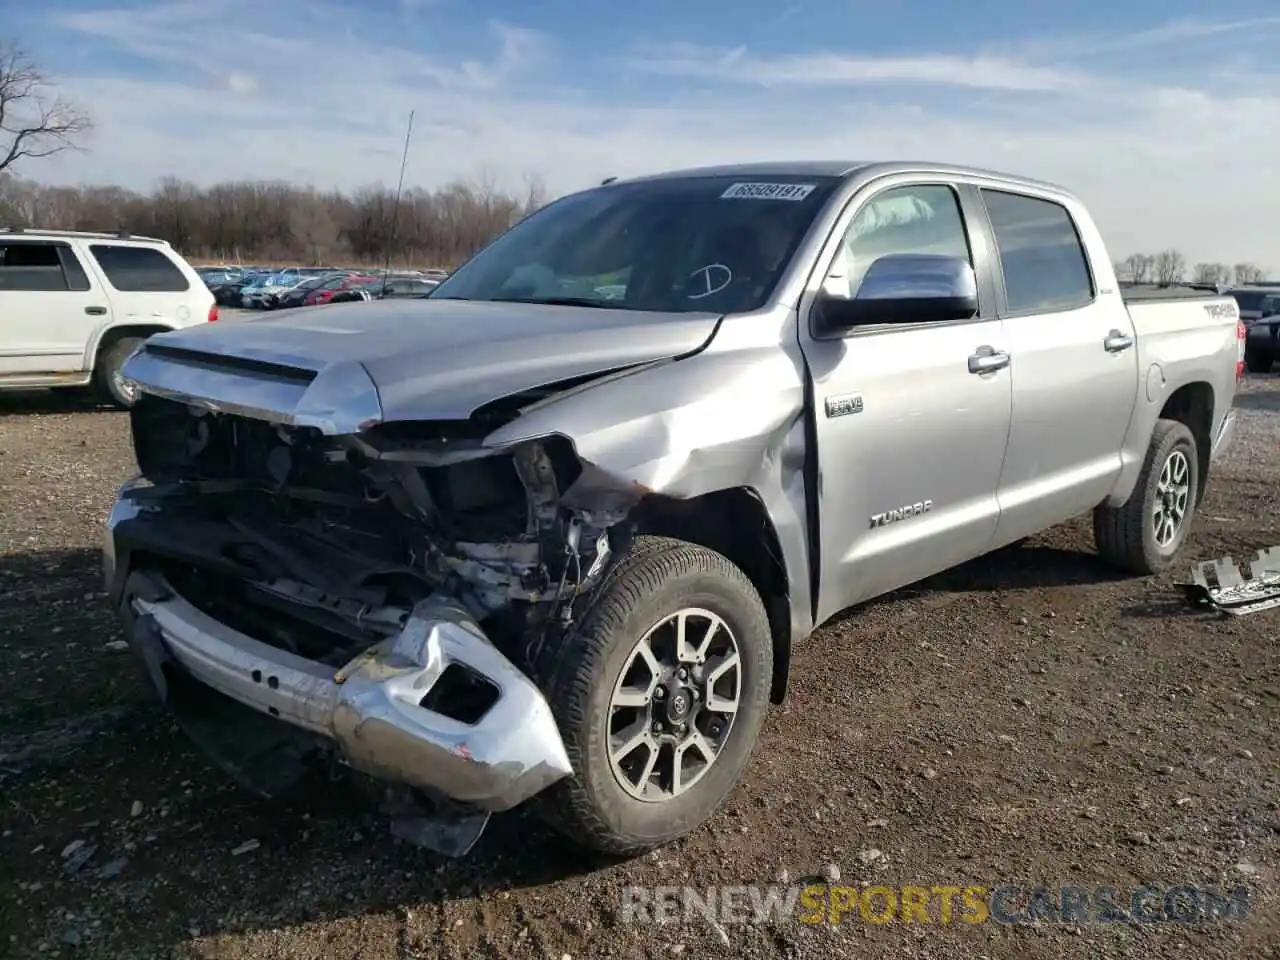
[[424, 359]]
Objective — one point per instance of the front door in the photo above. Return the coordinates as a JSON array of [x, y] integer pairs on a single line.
[[910, 442]]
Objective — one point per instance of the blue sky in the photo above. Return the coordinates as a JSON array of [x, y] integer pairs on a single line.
[[1162, 115]]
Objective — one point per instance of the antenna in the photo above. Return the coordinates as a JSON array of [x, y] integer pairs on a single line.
[[395, 207]]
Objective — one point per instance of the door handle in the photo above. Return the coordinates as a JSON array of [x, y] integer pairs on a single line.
[[96, 311], [1117, 341], [988, 360]]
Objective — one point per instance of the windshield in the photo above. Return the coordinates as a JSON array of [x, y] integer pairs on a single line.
[[695, 244]]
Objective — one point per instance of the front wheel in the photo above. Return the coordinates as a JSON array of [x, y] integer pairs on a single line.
[[1144, 535], [660, 693]]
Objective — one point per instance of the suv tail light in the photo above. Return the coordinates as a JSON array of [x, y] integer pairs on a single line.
[[213, 312]]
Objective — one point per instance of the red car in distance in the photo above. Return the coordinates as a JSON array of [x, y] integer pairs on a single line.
[[324, 293]]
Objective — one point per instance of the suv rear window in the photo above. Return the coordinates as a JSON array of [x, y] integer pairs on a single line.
[[139, 269]]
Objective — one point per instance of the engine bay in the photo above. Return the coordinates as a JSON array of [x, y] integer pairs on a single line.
[[322, 545]]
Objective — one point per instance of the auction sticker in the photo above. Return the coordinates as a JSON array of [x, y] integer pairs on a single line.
[[768, 191]]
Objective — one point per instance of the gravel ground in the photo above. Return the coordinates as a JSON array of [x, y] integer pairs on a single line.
[[1027, 719]]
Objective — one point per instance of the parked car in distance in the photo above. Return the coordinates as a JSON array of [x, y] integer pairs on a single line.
[[564, 544], [406, 288], [1255, 302], [75, 305], [305, 282], [356, 287], [230, 292], [217, 276], [297, 295]]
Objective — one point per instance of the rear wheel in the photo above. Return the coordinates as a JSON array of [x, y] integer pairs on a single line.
[[659, 694], [1144, 535], [107, 376]]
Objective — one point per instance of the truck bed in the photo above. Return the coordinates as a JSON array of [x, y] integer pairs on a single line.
[[1144, 292]]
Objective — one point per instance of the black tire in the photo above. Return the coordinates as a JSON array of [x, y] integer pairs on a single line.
[[654, 579], [105, 372], [1126, 535], [1258, 361]]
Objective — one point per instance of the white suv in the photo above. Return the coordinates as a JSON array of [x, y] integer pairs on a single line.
[[74, 306]]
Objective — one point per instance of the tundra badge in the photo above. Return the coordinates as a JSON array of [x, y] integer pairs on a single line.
[[904, 512], [844, 405]]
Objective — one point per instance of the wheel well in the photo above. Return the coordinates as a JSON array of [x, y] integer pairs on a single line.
[[736, 524], [115, 334], [1192, 405]]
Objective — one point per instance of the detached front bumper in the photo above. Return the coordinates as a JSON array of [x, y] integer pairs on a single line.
[[371, 709]]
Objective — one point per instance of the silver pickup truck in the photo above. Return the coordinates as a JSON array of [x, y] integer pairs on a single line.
[[552, 533]]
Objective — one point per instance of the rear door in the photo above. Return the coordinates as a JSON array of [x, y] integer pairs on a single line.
[[49, 307], [147, 286], [1074, 366], [910, 432]]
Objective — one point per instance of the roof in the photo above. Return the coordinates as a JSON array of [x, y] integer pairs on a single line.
[[843, 169], [86, 234]]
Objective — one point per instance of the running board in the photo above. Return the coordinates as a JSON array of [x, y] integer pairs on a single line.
[[1222, 585]]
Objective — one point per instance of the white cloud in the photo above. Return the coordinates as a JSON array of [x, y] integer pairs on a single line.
[[829, 69], [1189, 165], [241, 83]]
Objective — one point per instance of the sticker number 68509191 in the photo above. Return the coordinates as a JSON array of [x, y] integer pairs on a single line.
[[768, 191]]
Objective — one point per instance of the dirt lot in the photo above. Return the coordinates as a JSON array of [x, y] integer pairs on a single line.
[[1028, 719]]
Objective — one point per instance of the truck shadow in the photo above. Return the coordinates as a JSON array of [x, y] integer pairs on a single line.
[[1024, 567]]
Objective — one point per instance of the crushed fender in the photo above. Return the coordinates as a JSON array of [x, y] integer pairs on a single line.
[[1223, 585]]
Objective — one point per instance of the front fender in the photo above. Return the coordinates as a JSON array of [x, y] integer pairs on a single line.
[[713, 421]]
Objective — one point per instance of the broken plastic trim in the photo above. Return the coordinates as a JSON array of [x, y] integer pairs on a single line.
[[1222, 585]]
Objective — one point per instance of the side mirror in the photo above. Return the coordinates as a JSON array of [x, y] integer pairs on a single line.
[[903, 288]]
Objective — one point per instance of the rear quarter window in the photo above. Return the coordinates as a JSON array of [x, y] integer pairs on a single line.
[[139, 269]]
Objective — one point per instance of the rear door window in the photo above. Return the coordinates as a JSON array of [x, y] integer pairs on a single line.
[[1043, 260], [139, 269]]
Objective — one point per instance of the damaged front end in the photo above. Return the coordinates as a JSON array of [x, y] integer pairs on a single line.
[[372, 597]]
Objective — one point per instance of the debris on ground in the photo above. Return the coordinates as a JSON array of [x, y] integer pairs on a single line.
[[80, 854], [1222, 584]]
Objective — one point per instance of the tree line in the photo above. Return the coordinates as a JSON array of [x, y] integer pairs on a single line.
[[246, 222], [1169, 267], [241, 221]]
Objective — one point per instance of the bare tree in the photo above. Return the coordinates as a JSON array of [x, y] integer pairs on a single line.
[[1136, 268], [1170, 265], [34, 121], [1211, 273], [1248, 273]]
